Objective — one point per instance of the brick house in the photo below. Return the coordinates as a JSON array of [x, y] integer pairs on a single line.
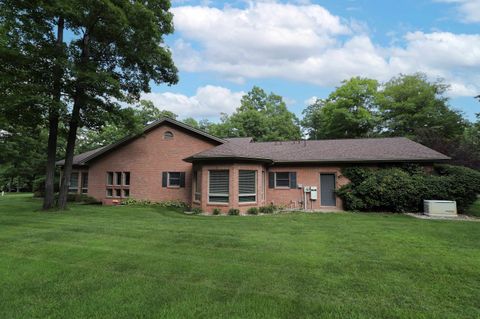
[[170, 160]]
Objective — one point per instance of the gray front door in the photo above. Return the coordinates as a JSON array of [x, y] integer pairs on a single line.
[[327, 190]]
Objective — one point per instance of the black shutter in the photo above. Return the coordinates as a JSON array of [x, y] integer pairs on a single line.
[[293, 180], [182, 179], [271, 180], [164, 179]]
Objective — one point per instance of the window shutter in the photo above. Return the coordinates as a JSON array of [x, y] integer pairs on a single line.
[[164, 179], [293, 180], [271, 180], [182, 179]]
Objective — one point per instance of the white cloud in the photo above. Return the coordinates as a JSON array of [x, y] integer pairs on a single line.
[[307, 43], [208, 102], [469, 10]]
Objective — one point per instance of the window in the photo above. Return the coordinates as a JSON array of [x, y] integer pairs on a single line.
[[118, 178], [168, 135], [73, 187], [264, 183], [247, 186], [282, 179], [118, 184], [197, 186], [109, 178], [218, 186], [126, 178], [174, 179], [84, 183]]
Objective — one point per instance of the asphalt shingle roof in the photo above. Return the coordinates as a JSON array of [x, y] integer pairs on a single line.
[[340, 150]]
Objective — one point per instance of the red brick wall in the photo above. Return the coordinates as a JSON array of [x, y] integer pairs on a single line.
[[233, 190], [146, 158], [306, 176]]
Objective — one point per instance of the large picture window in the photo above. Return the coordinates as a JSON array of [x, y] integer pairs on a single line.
[[218, 186], [247, 186]]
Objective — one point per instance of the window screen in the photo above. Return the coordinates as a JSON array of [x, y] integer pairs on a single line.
[[218, 186]]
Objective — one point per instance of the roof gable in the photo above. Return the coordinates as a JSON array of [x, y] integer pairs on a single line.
[[84, 158]]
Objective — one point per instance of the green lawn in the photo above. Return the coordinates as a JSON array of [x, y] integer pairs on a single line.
[[125, 262]]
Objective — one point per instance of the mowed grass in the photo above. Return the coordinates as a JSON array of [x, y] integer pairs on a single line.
[[133, 262]]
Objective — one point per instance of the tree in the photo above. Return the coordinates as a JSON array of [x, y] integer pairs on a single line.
[[31, 60], [412, 106], [263, 116], [348, 112], [117, 50]]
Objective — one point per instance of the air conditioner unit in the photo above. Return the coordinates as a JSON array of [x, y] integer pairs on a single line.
[[440, 208]]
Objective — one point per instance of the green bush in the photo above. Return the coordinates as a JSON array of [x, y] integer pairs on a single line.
[[196, 210], [252, 211], [233, 212], [403, 189], [269, 209], [80, 198], [216, 211], [177, 204]]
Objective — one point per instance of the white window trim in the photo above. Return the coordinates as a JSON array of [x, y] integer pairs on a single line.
[[247, 195], [179, 180], [275, 181], [216, 194]]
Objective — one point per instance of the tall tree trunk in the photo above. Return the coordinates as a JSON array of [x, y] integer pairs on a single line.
[[78, 104], [53, 118]]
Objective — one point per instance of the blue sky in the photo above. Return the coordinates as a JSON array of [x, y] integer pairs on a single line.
[[303, 49]]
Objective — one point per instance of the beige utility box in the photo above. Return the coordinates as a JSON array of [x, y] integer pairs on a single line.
[[440, 208]]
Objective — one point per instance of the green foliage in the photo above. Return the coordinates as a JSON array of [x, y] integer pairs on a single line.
[[263, 116], [145, 202], [233, 212], [268, 209], [252, 211], [399, 189], [81, 198], [196, 210], [349, 111], [216, 211]]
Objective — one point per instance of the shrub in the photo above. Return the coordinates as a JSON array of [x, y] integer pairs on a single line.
[[402, 189], [252, 211], [216, 211], [233, 212], [177, 204], [269, 209], [196, 210], [80, 198]]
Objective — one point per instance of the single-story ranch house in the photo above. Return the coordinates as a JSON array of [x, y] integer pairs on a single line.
[[170, 160]]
